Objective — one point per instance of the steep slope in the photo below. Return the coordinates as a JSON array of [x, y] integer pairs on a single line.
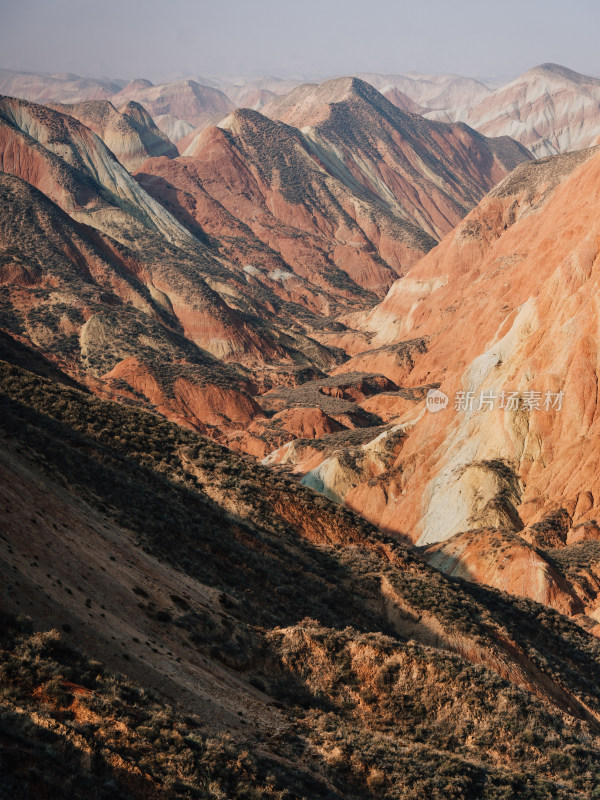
[[117, 324], [263, 174], [550, 109], [72, 166], [129, 132], [505, 560], [268, 641], [506, 310], [429, 174], [526, 270], [172, 103]]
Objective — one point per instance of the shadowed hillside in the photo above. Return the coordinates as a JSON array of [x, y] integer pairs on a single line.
[[268, 640]]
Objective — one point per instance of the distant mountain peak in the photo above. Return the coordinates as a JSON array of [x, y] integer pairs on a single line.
[[138, 83], [559, 71]]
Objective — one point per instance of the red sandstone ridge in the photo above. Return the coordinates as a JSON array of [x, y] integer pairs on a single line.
[[565, 577], [264, 434], [504, 303], [75, 169], [504, 560], [211, 306], [368, 142], [315, 211], [307, 423], [203, 406], [296, 216], [129, 133], [135, 285]]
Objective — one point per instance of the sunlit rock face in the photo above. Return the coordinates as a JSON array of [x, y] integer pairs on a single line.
[[370, 142], [506, 303]]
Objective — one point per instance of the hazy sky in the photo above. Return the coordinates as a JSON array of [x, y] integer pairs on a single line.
[[162, 38]]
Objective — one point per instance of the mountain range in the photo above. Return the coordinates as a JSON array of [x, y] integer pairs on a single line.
[[503, 307], [549, 109], [299, 449]]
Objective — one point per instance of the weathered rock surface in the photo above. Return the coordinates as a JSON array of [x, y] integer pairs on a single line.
[[368, 141], [74, 168], [129, 132], [114, 323], [550, 109]]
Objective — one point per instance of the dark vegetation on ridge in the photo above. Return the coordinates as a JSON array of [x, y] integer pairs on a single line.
[[391, 680]]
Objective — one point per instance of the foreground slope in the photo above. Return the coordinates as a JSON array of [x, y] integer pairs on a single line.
[[268, 641]]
